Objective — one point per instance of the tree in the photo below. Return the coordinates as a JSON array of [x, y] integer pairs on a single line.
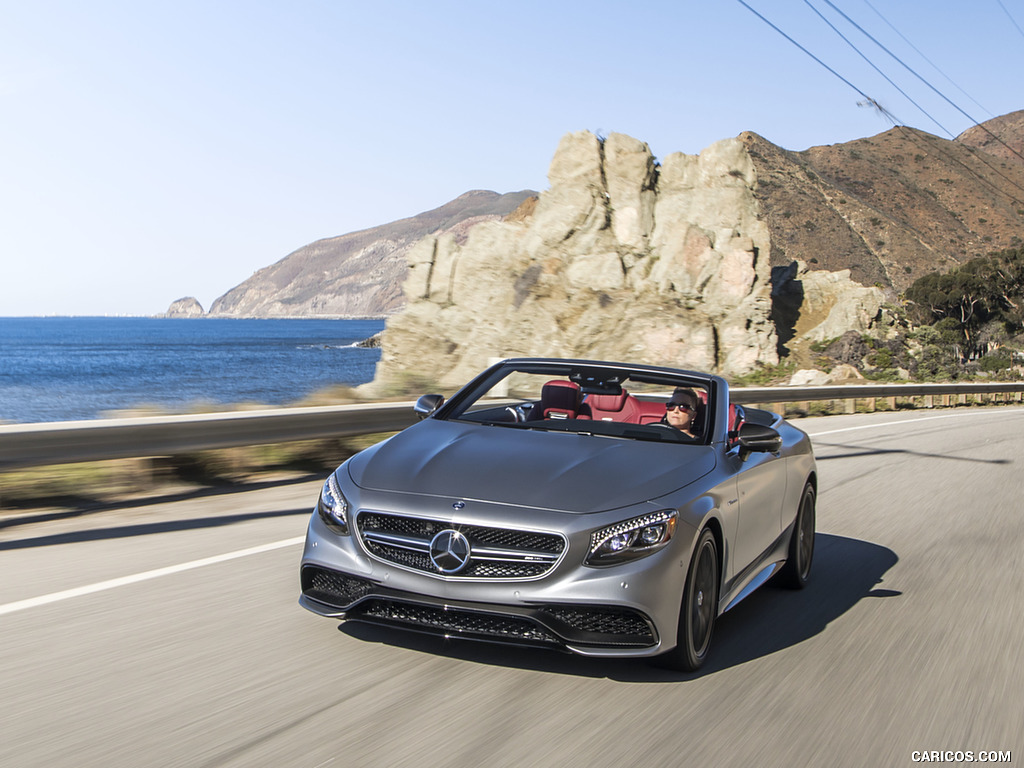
[[986, 289]]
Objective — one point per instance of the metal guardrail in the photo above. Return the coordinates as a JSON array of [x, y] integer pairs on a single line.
[[26, 445], [748, 395]]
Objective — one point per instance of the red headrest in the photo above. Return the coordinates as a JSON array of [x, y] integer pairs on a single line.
[[560, 399], [608, 402]]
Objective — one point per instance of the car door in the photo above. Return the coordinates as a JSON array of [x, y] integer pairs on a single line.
[[761, 488]]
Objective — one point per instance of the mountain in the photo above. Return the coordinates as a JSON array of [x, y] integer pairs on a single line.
[[359, 274], [1000, 136], [896, 206]]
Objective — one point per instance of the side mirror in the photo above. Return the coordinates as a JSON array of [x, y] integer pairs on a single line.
[[427, 404], [755, 437]]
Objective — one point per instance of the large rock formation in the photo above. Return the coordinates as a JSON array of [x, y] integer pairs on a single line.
[[359, 274], [621, 259], [721, 261]]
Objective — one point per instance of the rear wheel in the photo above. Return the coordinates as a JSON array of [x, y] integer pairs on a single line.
[[699, 609], [797, 570]]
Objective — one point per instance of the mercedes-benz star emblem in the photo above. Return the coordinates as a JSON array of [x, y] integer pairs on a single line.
[[449, 551]]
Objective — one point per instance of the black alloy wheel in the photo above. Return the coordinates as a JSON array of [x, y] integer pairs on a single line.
[[797, 570], [699, 609]]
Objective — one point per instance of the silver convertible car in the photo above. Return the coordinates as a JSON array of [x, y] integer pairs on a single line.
[[601, 508]]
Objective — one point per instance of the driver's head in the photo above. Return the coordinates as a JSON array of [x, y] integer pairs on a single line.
[[681, 408]]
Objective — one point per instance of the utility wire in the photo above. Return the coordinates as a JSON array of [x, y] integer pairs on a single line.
[[1010, 17], [872, 64], [896, 123], [921, 54], [915, 74], [870, 100]]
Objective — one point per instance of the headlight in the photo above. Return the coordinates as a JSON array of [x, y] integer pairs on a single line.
[[332, 506], [631, 539]]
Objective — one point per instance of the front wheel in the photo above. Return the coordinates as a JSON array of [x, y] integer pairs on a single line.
[[699, 609], [797, 570]]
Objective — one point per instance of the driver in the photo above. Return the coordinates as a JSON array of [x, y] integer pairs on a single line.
[[681, 409]]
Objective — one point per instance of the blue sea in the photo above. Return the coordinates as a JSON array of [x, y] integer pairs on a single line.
[[64, 368]]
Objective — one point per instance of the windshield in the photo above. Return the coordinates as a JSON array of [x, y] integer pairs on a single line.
[[602, 401]]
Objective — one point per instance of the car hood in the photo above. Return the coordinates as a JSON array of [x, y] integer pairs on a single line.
[[548, 470]]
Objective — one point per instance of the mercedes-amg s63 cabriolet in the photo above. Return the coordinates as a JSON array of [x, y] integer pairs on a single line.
[[605, 509]]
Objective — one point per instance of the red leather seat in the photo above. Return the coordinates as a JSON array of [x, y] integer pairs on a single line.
[[650, 412], [620, 407], [558, 400]]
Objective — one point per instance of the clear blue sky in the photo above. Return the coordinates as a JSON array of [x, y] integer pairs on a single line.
[[153, 150]]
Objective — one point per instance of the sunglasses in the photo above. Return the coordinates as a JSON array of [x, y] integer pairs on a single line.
[[680, 406]]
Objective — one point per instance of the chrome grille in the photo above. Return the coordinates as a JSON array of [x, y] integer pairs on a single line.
[[496, 553]]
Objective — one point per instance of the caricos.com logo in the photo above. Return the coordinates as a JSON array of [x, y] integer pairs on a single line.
[[960, 756]]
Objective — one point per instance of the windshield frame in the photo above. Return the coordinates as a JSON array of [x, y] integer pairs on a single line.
[[594, 377]]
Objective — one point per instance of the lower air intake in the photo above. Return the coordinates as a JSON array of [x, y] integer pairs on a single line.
[[453, 621]]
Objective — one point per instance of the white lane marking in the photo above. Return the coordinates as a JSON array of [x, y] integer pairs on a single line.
[[156, 573], [910, 421]]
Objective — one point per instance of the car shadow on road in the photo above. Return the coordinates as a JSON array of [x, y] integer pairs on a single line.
[[146, 529], [845, 571], [854, 451]]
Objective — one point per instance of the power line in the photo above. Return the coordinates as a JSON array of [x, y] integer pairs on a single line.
[[879, 71], [896, 123], [1010, 17], [915, 74], [867, 98], [933, 64]]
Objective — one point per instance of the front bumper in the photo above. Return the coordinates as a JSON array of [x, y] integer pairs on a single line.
[[577, 627], [626, 610]]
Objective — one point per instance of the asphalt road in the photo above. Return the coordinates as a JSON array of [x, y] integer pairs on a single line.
[[154, 635]]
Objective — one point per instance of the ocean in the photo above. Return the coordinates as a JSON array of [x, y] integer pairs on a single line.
[[67, 368]]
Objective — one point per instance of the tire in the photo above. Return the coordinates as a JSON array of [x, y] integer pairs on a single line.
[[698, 610], [797, 571]]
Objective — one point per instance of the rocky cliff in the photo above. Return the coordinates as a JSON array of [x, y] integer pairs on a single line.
[[621, 259], [721, 261], [359, 274]]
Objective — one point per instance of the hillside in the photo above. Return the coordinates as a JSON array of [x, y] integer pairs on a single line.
[[896, 206], [1000, 136], [359, 274]]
